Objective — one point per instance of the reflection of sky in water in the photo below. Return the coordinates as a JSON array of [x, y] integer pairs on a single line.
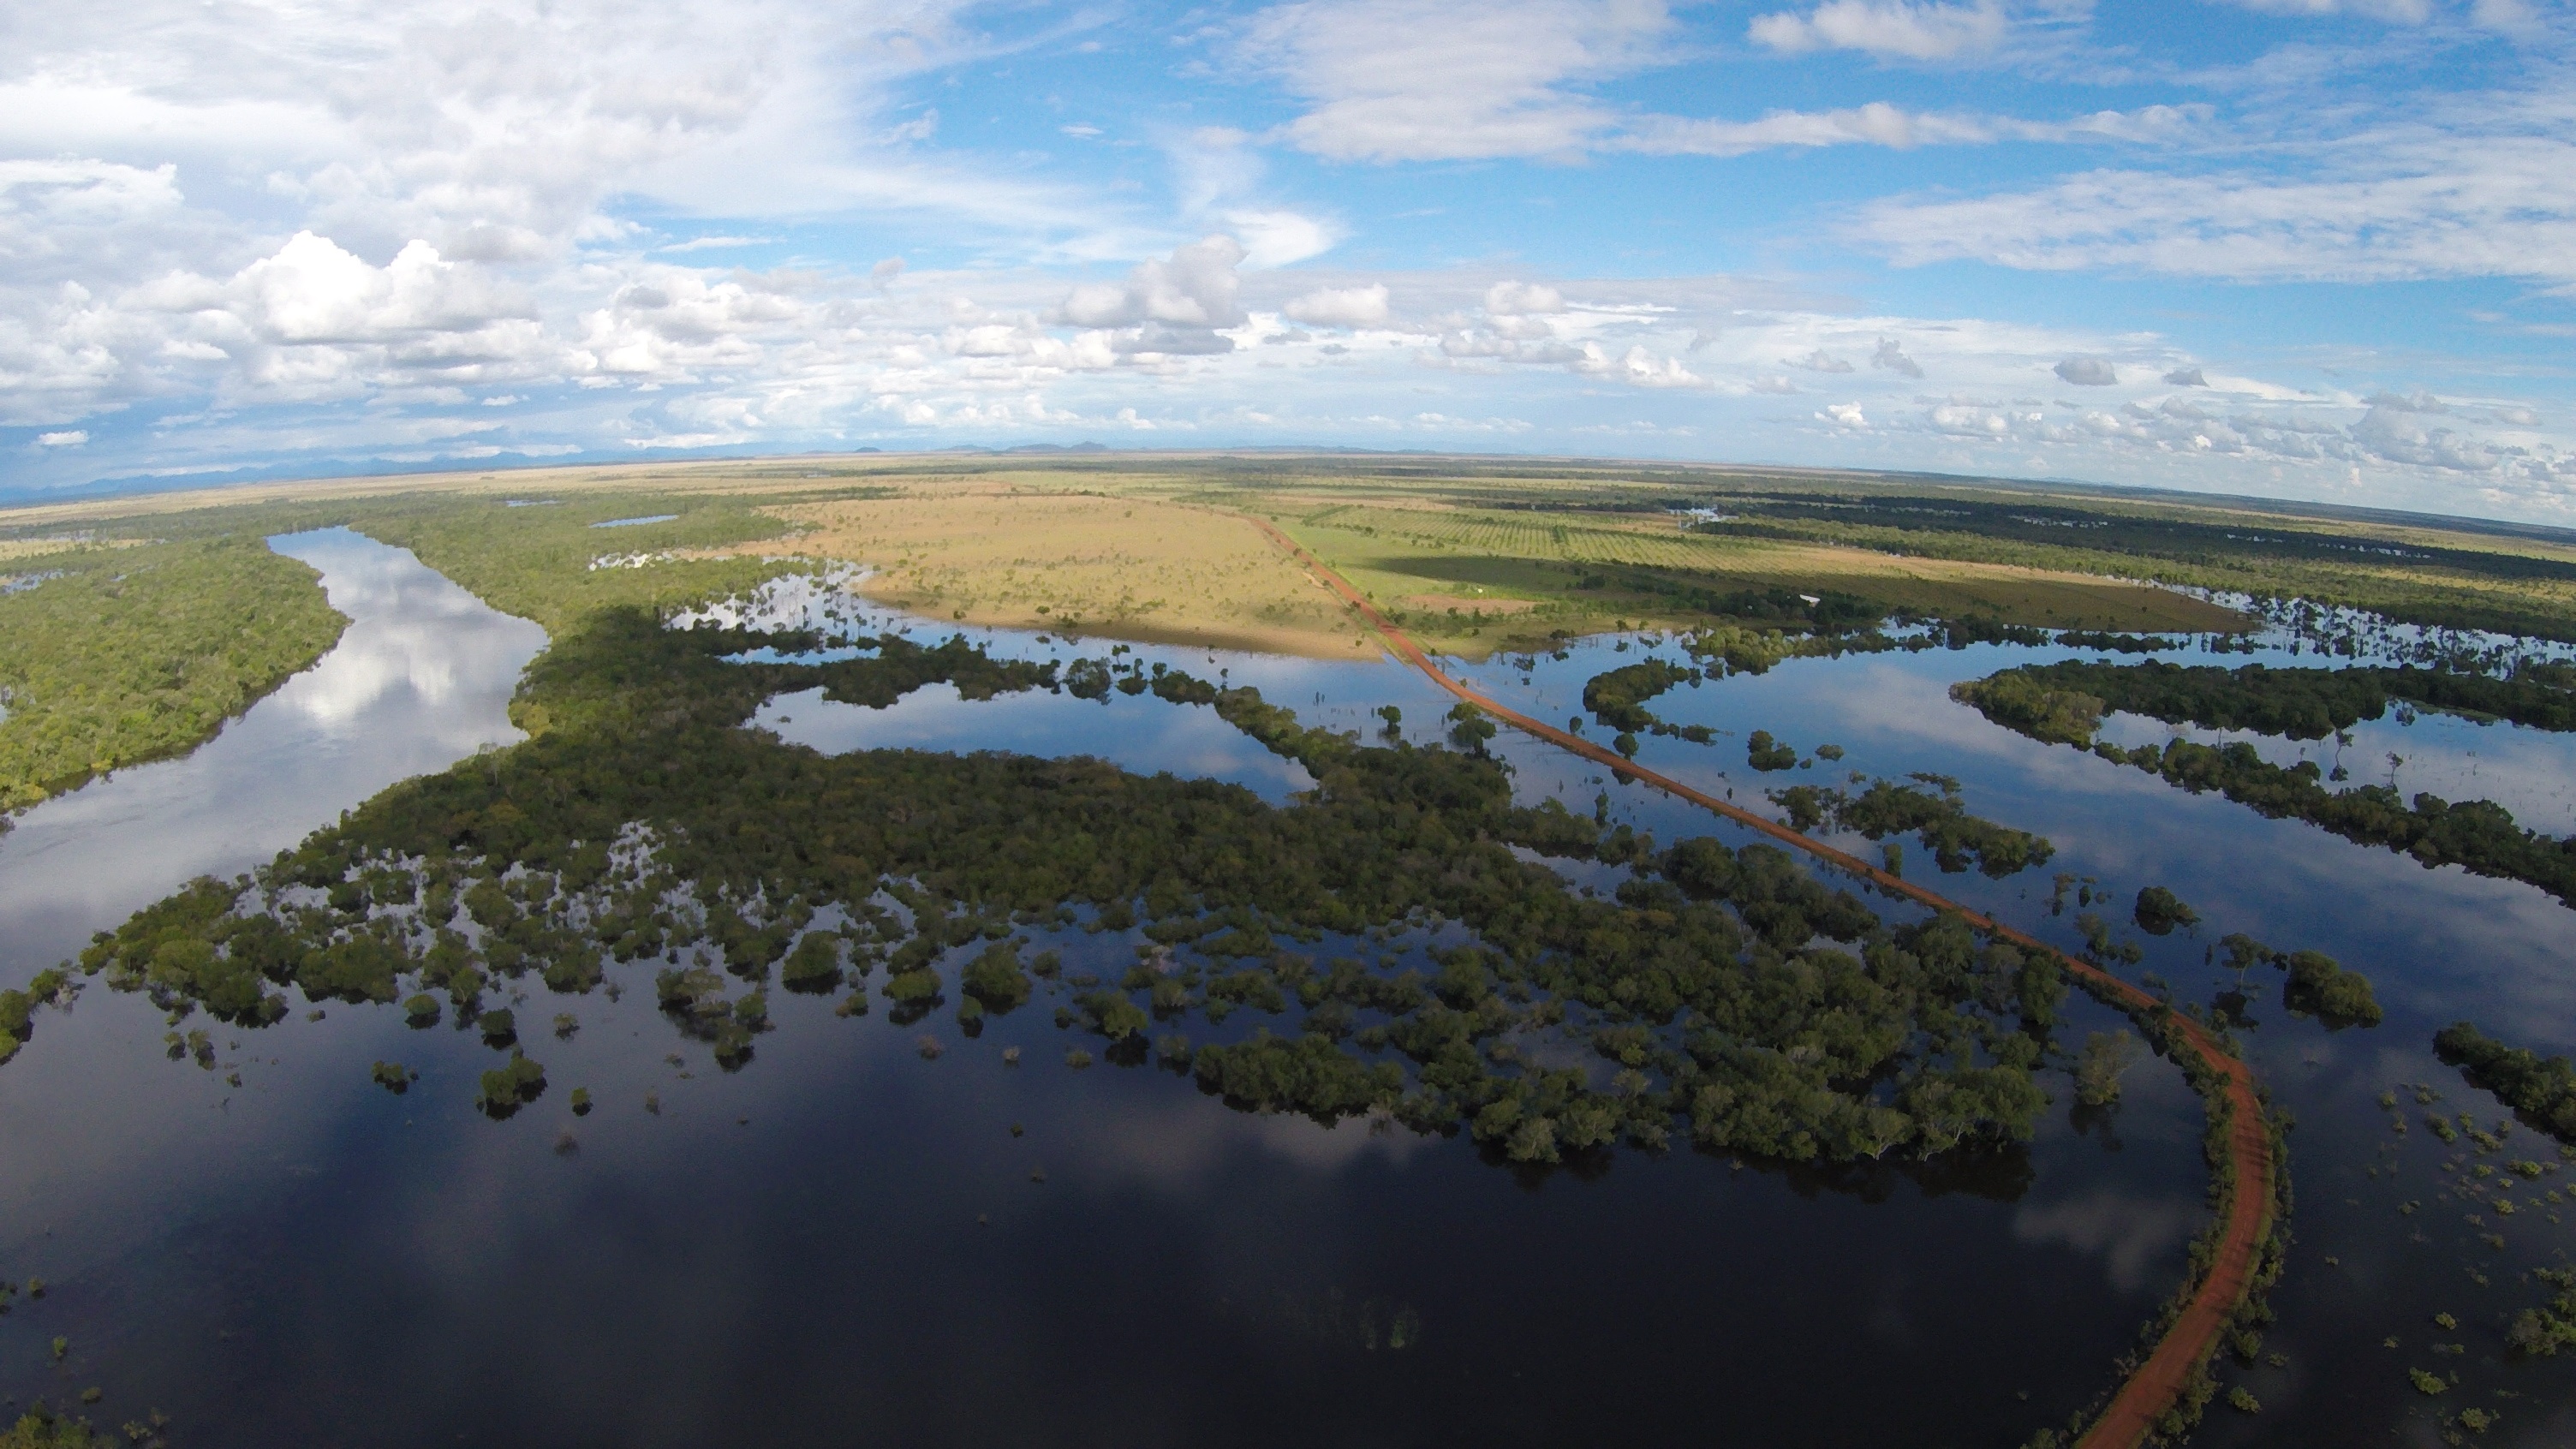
[[1140, 733], [825, 1258], [305, 1258], [2439, 945], [421, 678], [2527, 771]]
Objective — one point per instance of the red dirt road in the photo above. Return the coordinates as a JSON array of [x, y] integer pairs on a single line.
[[2158, 1383]]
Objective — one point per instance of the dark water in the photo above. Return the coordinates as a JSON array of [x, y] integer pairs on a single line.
[[843, 1241], [2439, 946]]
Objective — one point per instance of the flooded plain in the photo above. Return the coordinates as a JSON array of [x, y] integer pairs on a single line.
[[851, 1239]]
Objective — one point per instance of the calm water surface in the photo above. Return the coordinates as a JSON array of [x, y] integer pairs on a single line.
[[421, 678], [845, 1242]]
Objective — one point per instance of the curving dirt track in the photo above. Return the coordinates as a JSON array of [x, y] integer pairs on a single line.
[[2147, 1393]]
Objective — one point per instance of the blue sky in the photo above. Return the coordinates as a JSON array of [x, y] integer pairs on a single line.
[[2321, 249]]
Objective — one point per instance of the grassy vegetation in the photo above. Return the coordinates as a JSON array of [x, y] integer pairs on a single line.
[[1153, 549], [1515, 539], [539, 562], [111, 656], [1473, 579], [1114, 564], [2520, 581]]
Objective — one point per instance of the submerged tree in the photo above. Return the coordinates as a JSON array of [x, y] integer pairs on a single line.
[[2107, 1056]]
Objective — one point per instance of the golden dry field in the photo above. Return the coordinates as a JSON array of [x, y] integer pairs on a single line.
[[14, 549], [1475, 555], [1522, 573], [1128, 567]]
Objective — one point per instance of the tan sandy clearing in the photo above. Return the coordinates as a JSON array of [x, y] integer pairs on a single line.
[[1118, 567]]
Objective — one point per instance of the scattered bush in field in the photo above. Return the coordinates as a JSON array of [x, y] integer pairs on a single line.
[[392, 1077]]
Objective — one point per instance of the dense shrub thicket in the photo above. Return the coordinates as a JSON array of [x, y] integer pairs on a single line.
[[2313, 983], [132, 654], [1617, 697], [1741, 999], [2542, 1089], [2300, 704], [1936, 815]]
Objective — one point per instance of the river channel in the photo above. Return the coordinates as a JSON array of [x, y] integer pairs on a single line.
[[847, 1240]]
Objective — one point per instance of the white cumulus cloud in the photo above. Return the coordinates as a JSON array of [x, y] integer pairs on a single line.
[[1523, 299], [1340, 306], [2481, 185], [1884, 28], [1418, 80], [1195, 288]]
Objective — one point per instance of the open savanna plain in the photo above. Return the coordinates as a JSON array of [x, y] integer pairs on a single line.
[[1470, 556], [1142, 543]]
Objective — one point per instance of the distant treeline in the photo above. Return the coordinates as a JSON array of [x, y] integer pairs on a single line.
[[2053, 703], [2048, 700], [111, 656], [2405, 578]]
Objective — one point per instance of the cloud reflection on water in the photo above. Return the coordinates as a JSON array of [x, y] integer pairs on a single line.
[[2132, 1235], [421, 678], [1139, 733]]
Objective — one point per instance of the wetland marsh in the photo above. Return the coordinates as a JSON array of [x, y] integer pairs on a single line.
[[1478, 1125]]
